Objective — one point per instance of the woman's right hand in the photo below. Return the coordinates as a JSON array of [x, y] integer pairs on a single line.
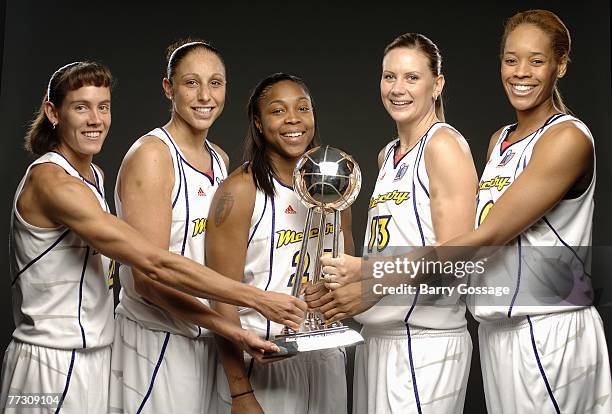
[[281, 308]]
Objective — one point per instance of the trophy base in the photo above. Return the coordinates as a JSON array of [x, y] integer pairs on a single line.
[[315, 340]]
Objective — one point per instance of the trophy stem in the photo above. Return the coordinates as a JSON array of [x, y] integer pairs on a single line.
[[316, 277], [336, 233], [299, 271]]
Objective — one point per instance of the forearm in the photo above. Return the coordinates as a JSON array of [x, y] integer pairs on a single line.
[[118, 240], [421, 265], [197, 280], [185, 307], [231, 355]]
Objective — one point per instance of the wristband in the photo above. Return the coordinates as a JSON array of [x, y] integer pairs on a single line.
[[242, 393]]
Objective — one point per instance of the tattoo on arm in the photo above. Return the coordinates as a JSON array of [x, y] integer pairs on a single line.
[[223, 208]]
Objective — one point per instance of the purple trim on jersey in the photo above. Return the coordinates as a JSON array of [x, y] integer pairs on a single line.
[[61, 401], [542, 373], [250, 370], [395, 164], [395, 147], [390, 151], [178, 164], [518, 279], [98, 186], [535, 134], [566, 245], [211, 179], [81, 176], [412, 372], [281, 183], [518, 164], [416, 213], [182, 159], [214, 155], [185, 235], [55, 243], [272, 232], [258, 221], [512, 127], [81, 296], [180, 178], [418, 161], [159, 361]]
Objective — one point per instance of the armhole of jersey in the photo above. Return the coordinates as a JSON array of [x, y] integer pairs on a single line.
[[174, 155], [586, 131], [218, 159], [421, 167], [259, 210], [389, 152], [20, 188]]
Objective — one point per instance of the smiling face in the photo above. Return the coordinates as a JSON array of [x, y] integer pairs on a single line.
[[407, 86], [286, 119], [83, 120], [197, 89], [529, 69]]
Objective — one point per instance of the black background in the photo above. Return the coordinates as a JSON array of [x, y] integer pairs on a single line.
[[335, 48]]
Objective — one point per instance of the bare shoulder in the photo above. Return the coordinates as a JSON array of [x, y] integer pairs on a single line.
[[565, 138], [446, 140], [234, 200], [148, 157], [240, 182], [146, 150], [49, 178], [56, 192], [222, 153]]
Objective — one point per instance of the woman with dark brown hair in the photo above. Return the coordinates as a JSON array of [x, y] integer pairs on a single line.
[[60, 355]]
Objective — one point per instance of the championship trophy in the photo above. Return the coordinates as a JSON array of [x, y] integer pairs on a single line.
[[327, 181]]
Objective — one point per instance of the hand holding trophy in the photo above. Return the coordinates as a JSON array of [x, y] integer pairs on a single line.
[[327, 181]]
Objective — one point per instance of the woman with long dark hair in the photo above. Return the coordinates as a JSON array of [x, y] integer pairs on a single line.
[[257, 216]]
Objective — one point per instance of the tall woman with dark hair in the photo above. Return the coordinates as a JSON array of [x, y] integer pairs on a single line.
[[164, 357], [60, 228], [259, 219]]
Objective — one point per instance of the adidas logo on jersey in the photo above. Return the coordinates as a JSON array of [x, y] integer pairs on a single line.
[[290, 210], [201, 192]]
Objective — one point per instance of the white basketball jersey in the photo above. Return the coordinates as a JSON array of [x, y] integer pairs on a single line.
[[275, 239], [191, 197], [61, 295], [547, 266], [399, 219]]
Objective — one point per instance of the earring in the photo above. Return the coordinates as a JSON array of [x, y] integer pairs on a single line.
[[54, 125]]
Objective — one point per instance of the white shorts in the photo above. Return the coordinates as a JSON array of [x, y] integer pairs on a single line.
[[309, 383], [391, 361], [546, 364], [159, 372], [78, 377]]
